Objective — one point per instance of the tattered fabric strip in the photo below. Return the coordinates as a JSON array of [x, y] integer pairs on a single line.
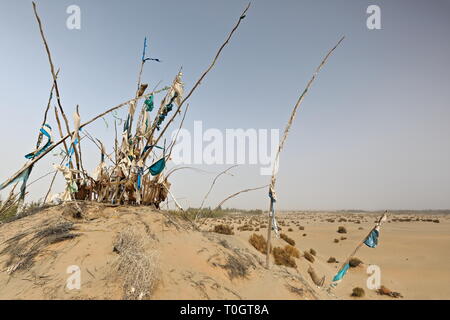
[[46, 130]]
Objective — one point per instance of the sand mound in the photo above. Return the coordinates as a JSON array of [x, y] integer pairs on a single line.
[[133, 253]]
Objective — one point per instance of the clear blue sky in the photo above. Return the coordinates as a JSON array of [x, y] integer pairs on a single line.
[[373, 132]]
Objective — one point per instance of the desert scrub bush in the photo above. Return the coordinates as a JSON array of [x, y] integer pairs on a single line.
[[292, 251], [282, 257], [308, 256], [342, 229], [136, 265], [343, 238], [287, 239], [358, 292], [304, 234], [313, 252], [290, 230], [258, 242], [387, 292], [354, 262], [301, 228], [331, 260], [24, 247], [336, 240], [236, 267], [223, 229]]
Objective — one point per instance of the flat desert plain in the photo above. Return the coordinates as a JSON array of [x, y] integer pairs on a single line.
[[413, 254]]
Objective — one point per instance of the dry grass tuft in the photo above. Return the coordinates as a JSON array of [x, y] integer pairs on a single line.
[[313, 252], [283, 257], [342, 229], [236, 267], [308, 256], [259, 242], [354, 262], [287, 239], [137, 266], [292, 251], [385, 291], [223, 229], [24, 247], [358, 292], [331, 260]]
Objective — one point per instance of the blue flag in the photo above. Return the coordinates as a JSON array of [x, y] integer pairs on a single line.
[[372, 240]]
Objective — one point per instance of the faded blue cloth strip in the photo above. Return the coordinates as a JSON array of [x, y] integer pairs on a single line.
[[145, 46], [49, 142], [372, 240], [341, 273], [157, 167], [71, 151]]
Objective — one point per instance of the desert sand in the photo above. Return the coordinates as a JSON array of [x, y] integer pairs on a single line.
[[191, 263]]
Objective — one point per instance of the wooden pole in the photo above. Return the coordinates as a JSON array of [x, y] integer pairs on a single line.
[[283, 140]]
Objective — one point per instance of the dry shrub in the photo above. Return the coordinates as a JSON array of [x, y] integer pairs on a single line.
[[308, 256], [236, 267], [290, 230], [304, 234], [385, 291], [292, 251], [287, 239], [343, 238], [282, 257], [331, 260], [295, 290], [354, 262], [24, 247], [342, 229], [223, 229], [259, 242], [313, 252], [137, 266], [301, 228], [336, 240], [358, 292]]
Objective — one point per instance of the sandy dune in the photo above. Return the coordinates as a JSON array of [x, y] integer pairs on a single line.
[[199, 264]]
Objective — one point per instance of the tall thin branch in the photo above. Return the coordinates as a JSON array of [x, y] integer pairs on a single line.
[[216, 57], [283, 140]]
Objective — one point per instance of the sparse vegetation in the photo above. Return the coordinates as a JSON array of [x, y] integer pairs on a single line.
[[331, 260], [137, 266], [308, 256], [287, 239], [293, 251], [258, 242], [354, 262], [223, 229], [283, 257], [24, 247], [358, 292], [387, 292], [313, 252], [342, 229]]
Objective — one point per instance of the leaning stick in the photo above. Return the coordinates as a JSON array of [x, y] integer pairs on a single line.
[[237, 193], [211, 187], [55, 82], [283, 140], [39, 157], [242, 16], [38, 143]]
